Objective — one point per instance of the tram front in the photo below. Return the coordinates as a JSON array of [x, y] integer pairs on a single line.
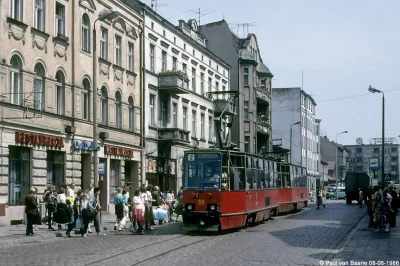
[[202, 183]]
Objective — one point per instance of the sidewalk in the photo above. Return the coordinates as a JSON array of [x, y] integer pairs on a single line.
[[15, 234], [365, 245]]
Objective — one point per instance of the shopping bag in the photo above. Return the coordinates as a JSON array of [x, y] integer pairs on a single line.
[[79, 223], [38, 218]]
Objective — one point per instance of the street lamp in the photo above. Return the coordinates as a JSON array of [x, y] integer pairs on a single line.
[[336, 163], [291, 133], [373, 90], [103, 15]]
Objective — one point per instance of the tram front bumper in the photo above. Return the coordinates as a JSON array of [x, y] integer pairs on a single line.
[[200, 221]]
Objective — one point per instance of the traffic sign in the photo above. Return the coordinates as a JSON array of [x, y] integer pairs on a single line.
[[388, 177], [373, 164]]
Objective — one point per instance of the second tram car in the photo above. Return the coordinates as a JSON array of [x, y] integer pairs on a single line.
[[226, 189]]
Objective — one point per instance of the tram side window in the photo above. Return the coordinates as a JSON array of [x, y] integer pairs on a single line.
[[224, 179], [255, 173], [274, 175], [261, 174], [249, 174]]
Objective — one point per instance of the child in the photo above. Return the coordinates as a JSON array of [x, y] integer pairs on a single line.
[[71, 222]]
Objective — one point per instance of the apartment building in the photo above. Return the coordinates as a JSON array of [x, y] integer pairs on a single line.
[[293, 110], [179, 72], [251, 129], [46, 92]]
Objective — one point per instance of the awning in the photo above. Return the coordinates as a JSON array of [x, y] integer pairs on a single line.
[[331, 178]]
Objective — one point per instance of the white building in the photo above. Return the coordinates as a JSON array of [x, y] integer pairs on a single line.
[[179, 71], [290, 106]]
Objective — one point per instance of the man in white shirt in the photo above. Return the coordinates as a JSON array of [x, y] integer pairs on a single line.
[[70, 191]]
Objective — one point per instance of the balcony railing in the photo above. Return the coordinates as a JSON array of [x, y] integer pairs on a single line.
[[174, 82], [224, 105], [263, 125], [175, 135], [263, 94]]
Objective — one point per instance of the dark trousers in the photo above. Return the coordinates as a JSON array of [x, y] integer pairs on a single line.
[[29, 225], [50, 213], [392, 219], [85, 227]]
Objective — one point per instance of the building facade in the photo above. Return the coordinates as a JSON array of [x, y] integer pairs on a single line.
[[360, 155], [179, 74], [294, 110], [328, 154], [46, 92], [251, 129]]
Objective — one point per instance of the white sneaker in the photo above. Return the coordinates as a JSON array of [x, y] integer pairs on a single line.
[[85, 235]]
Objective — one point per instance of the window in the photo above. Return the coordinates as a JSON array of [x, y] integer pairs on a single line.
[[152, 111], [164, 61], [246, 77], [184, 116], [117, 50], [210, 126], [194, 79], [60, 20], [202, 83], [202, 57], [104, 43], [246, 110], [164, 113], [15, 79], [60, 80], [254, 145], [38, 87], [175, 115], [16, 9], [394, 149], [209, 84], [202, 129], [19, 165], [254, 111], [209, 62], [152, 25], [85, 33], [184, 68], [174, 39], [38, 15], [55, 169], [152, 58], [247, 144], [194, 52], [194, 114], [217, 68], [263, 84], [85, 99], [131, 113], [130, 56], [104, 106], [216, 86], [184, 46], [174, 64], [163, 33], [118, 109]]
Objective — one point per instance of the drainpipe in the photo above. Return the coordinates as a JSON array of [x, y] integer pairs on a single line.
[[143, 100], [73, 70]]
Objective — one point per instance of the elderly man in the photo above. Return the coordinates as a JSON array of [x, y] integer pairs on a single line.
[[31, 209]]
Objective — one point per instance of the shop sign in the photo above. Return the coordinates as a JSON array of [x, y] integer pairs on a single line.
[[40, 140], [118, 151], [83, 145], [100, 168]]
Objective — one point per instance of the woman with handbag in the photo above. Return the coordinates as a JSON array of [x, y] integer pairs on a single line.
[[138, 212]]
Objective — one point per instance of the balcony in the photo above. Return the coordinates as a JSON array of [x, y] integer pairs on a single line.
[[174, 136], [263, 94], [263, 126], [173, 82], [225, 106]]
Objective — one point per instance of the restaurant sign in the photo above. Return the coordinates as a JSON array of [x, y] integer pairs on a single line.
[[40, 140], [118, 151]]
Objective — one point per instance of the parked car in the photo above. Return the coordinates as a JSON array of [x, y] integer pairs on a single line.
[[331, 193]]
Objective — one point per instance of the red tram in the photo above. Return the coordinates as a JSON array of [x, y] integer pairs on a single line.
[[226, 189]]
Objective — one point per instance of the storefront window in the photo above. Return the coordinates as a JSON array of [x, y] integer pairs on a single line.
[[55, 169], [18, 174], [114, 178]]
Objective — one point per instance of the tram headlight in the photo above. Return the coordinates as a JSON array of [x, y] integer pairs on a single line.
[[212, 207], [190, 207]]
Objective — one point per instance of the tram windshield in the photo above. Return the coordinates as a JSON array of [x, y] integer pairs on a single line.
[[203, 171]]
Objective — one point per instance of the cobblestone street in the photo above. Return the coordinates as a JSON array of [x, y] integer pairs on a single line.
[[302, 238]]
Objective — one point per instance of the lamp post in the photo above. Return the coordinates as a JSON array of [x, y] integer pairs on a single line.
[[373, 90], [336, 163], [291, 133], [103, 15]]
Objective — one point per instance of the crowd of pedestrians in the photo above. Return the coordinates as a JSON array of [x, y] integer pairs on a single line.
[[382, 204], [79, 210]]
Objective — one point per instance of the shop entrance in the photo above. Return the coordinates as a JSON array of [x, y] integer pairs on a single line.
[[86, 162]]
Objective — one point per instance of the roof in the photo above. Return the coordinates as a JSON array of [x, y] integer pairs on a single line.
[[261, 68]]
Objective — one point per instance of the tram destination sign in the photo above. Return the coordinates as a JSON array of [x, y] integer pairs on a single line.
[[203, 156]]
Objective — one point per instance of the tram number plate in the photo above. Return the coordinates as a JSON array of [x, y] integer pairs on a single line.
[[200, 202], [191, 157]]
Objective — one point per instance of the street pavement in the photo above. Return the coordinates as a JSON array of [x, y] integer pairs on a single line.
[[309, 237]]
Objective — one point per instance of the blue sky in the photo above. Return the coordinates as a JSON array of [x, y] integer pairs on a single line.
[[341, 46]]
